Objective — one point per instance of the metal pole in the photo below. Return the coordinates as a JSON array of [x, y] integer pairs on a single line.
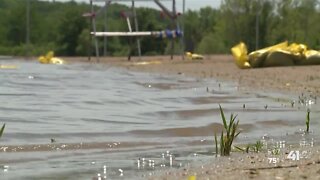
[[136, 27], [182, 29], [257, 31], [257, 26], [90, 45], [105, 29], [27, 28], [94, 29], [173, 24]]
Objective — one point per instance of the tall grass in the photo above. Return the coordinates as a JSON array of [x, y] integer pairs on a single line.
[[2, 129], [230, 134]]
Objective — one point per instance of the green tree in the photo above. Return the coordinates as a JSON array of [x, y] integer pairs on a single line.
[[296, 21], [71, 26], [244, 18]]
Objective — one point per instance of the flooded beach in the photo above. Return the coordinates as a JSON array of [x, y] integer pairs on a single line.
[[85, 121]]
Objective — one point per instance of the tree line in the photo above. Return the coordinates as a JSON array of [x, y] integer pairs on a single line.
[[61, 27]]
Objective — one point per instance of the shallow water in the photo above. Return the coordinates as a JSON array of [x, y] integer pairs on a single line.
[[71, 121]]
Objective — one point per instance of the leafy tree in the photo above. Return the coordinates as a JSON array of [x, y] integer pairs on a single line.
[[211, 43], [244, 18], [60, 26], [299, 19], [71, 26]]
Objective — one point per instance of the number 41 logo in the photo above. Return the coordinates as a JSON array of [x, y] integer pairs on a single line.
[[294, 155]]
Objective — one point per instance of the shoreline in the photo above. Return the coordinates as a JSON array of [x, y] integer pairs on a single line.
[[289, 79], [295, 80]]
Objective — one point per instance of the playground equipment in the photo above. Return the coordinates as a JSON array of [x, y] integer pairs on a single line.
[[282, 54], [175, 32]]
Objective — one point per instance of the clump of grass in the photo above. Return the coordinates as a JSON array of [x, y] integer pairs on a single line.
[[244, 149], [257, 147], [308, 121], [231, 133], [2, 129]]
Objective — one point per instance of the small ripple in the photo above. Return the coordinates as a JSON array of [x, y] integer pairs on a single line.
[[38, 85], [110, 121], [65, 135], [188, 131], [93, 103], [23, 109], [75, 146], [185, 114], [17, 94], [161, 86], [18, 120], [211, 100]]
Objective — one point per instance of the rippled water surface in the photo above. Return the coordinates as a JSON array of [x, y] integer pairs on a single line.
[[79, 120]]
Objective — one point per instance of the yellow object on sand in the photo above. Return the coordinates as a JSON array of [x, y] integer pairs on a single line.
[[194, 56], [3, 66], [147, 62], [50, 59], [281, 54], [240, 53]]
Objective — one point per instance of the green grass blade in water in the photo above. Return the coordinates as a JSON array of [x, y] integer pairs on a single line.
[[2, 129], [223, 118], [216, 141], [308, 120]]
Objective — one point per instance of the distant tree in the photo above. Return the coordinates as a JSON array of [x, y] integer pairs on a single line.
[[16, 24], [83, 43], [241, 19], [70, 27], [155, 22], [192, 31], [296, 21], [212, 43], [60, 26]]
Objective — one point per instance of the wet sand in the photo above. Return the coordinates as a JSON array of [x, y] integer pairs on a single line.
[[294, 80], [251, 166]]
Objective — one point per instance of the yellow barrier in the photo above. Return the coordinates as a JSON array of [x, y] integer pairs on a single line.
[[240, 53], [50, 59], [147, 63], [194, 56], [281, 54], [3, 66]]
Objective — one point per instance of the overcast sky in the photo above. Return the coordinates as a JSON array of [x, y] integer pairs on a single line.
[[190, 4]]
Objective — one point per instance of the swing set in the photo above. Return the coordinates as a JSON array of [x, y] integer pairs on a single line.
[[175, 32]]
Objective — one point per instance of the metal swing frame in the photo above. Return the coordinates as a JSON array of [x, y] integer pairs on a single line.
[[172, 14]]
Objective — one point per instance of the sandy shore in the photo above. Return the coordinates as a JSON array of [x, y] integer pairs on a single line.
[[251, 166], [295, 80]]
